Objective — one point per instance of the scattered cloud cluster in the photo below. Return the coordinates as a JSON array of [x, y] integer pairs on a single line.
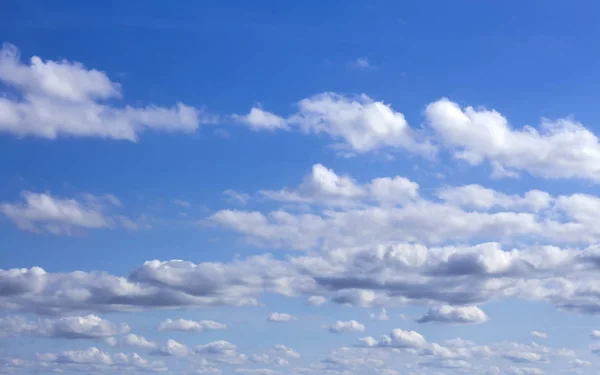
[[348, 326], [454, 315], [44, 212], [64, 98], [384, 243]]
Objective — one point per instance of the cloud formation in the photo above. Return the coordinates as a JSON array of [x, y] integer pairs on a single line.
[[454, 315], [64, 98], [346, 326], [44, 212]]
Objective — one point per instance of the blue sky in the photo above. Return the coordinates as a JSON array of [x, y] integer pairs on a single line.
[[269, 187]]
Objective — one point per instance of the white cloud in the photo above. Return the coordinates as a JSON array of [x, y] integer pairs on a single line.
[[478, 135], [43, 212], [368, 276], [317, 300], [62, 98], [479, 197], [393, 189], [136, 341], [358, 124], [538, 334], [454, 315], [280, 317], [284, 350], [185, 325], [346, 326], [172, 348], [596, 334], [349, 213], [580, 363], [223, 352], [71, 327], [398, 338], [258, 119], [321, 185]]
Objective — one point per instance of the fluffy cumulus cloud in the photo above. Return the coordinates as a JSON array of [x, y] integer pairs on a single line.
[[356, 123], [454, 315], [44, 212], [360, 124], [347, 213], [64, 98], [136, 341], [398, 273], [478, 134], [190, 325], [323, 186], [346, 326], [539, 335], [172, 348]]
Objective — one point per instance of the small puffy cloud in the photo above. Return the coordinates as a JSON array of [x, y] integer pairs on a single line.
[[398, 338], [324, 186], [136, 341], [259, 119], [538, 334], [280, 317], [579, 363], [285, 351], [454, 315], [172, 348], [72, 327], [393, 189], [347, 326], [223, 352], [596, 334], [185, 325], [317, 300], [358, 124], [64, 98], [321, 185]]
